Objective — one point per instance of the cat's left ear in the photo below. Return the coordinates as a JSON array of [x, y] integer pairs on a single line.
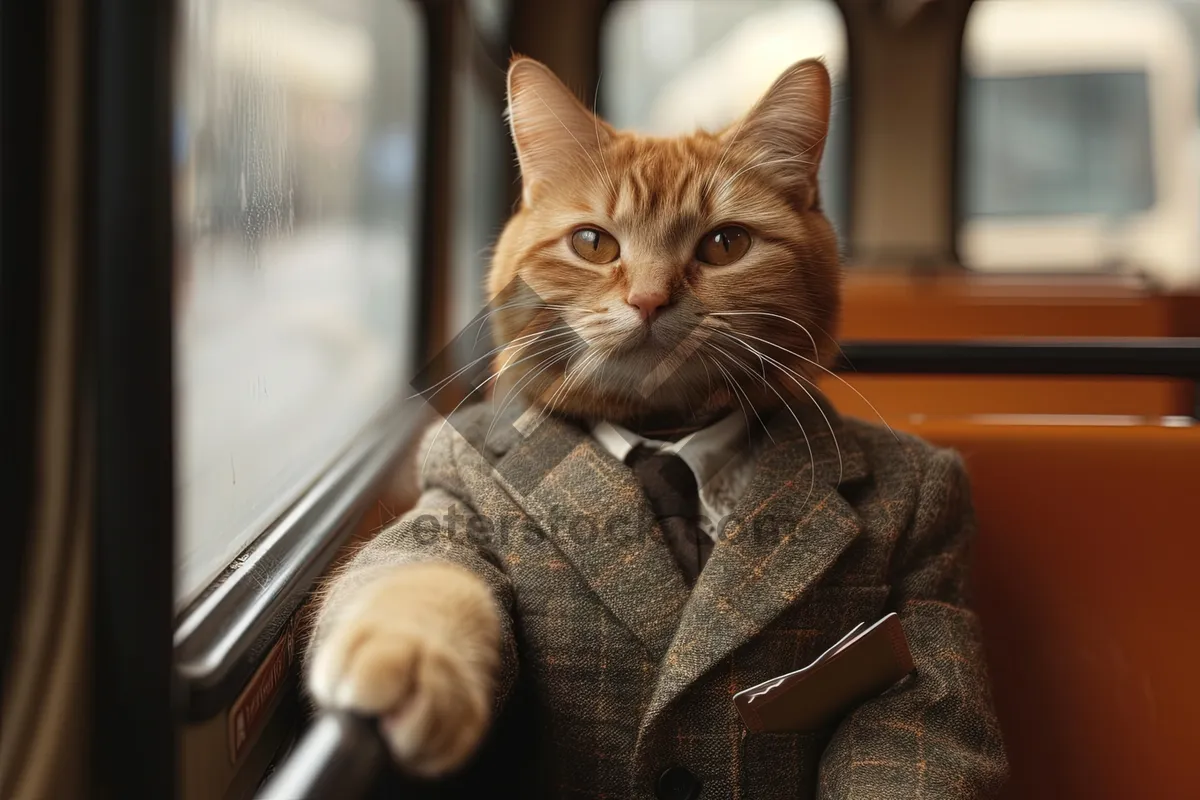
[[787, 127], [557, 138]]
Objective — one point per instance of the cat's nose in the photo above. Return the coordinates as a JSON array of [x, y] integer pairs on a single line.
[[648, 303]]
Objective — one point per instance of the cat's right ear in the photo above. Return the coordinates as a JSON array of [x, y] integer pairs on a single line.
[[556, 137], [786, 129]]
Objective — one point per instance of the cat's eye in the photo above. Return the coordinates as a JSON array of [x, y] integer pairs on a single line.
[[595, 245], [723, 246]]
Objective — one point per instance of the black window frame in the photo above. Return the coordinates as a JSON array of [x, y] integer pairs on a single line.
[[24, 95], [128, 173]]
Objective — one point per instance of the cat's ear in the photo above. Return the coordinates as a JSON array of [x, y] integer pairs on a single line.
[[786, 129], [556, 138]]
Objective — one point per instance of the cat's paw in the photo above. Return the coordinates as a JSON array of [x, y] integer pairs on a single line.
[[426, 676]]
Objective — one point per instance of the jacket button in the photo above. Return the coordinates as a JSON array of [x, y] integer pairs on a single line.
[[678, 783]]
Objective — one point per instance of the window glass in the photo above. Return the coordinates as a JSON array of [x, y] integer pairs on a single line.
[[1079, 132], [671, 66], [297, 128], [1084, 146], [490, 18]]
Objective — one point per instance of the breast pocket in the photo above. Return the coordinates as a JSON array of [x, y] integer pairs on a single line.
[[809, 627], [785, 764]]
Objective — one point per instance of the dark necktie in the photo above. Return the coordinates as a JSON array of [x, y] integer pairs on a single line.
[[670, 487]]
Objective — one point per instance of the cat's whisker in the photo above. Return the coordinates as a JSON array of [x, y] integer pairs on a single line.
[[764, 358], [786, 319], [437, 387], [565, 351], [807, 442], [521, 304], [526, 340], [567, 378], [544, 409], [707, 374], [470, 394], [733, 389], [816, 364], [704, 361], [812, 482], [829, 372], [484, 318], [579, 373], [538, 306], [812, 473], [446, 418], [553, 349], [554, 336], [735, 384], [762, 378]]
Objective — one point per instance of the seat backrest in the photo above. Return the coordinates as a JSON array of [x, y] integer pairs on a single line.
[[963, 306], [1086, 584]]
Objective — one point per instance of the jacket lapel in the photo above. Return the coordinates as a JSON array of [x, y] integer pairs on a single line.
[[591, 507], [790, 527]]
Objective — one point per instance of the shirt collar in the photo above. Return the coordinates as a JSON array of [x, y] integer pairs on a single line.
[[706, 451]]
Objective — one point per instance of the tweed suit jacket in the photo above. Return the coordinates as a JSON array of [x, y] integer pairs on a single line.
[[613, 670]]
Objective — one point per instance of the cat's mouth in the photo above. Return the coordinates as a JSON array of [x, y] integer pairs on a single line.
[[643, 337], [647, 339]]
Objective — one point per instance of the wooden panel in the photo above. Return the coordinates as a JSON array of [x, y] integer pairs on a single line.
[[1085, 578], [896, 398], [959, 305], [964, 305], [1184, 314]]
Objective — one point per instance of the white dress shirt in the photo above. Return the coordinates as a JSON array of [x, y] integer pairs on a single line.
[[719, 456]]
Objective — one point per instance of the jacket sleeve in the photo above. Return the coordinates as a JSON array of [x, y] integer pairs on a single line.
[[441, 526], [935, 734]]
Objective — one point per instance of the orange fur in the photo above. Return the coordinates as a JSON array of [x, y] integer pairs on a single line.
[[658, 197], [419, 646]]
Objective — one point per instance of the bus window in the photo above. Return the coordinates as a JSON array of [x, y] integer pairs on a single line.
[[297, 128], [1085, 146], [1079, 132], [670, 67]]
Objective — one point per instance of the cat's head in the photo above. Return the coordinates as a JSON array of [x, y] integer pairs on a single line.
[[647, 278]]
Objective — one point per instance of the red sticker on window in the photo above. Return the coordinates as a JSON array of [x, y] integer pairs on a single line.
[[247, 714]]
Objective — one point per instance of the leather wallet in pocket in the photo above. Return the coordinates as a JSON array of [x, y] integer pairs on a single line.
[[864, 663]]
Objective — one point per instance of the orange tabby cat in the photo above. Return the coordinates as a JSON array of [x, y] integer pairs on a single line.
[[613, 229]]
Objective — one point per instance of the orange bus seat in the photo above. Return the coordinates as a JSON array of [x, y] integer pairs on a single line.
[[1085, 575]]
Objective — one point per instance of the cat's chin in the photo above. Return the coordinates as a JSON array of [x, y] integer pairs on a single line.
[[639, 342], [670, 424], [669, 407]]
